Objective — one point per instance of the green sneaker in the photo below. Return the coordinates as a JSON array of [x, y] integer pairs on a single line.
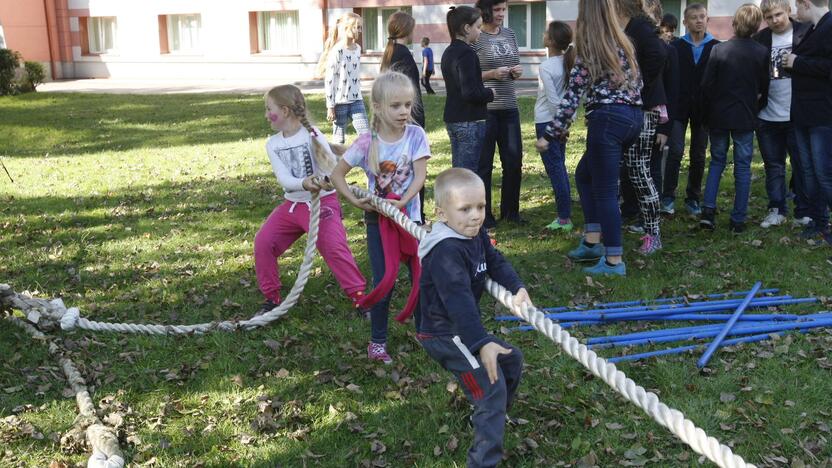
[[557, 226]]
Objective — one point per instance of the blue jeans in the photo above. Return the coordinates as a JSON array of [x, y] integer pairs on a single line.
[[503, 132], [466, 143], [611, 130], [775, 139], [554, 160], [380, 311], [814, 144], [743, 152], [344, 113]]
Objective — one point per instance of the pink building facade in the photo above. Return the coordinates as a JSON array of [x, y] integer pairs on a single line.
[[248, 39]]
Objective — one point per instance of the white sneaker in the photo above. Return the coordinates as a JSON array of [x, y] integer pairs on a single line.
[[774, 218], [804, 221]]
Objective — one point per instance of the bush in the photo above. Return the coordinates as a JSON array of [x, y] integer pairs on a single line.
[[9, 61], [35, 75]]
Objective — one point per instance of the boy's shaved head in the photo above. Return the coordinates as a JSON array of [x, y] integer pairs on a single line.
[[450, 179]]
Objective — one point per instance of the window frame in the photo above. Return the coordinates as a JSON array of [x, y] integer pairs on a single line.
[[528, 38], [89, 29], [381, 37], [259, 45], [194, 50]]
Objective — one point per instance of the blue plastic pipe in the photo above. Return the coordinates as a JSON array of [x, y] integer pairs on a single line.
[[681, 330], [740, 330], [646, 305], [663, 300], [706, 356], [683, 349]]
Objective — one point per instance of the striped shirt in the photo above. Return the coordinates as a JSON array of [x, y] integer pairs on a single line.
[[495, 51]]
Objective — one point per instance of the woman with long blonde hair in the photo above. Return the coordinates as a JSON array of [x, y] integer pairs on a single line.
[[340, 66], [607, 73]]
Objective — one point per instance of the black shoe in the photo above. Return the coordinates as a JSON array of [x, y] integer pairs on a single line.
[[267, 306], [490, 222], [736, 227], [707, 219], [515, 219], [810, 232]]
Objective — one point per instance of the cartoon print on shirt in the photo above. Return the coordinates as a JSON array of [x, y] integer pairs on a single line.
[[298, 160], [384, 180], [403, 175]]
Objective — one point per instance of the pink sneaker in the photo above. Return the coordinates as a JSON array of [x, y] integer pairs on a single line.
[[378, 352], [650, 244]]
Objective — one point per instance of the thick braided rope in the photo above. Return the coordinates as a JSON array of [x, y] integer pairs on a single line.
[[106, 452], [42, 310], [668, 417]]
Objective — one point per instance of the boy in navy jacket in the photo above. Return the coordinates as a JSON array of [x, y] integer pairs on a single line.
[[734, 89], [456, 256], [693, 50]]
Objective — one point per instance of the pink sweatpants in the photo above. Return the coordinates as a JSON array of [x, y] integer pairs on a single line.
[[285, 225]]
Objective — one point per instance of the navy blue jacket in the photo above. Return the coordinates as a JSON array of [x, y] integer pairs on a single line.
[[812, 76], [690, 76], [735, 84], [651, 55], [452, 282]]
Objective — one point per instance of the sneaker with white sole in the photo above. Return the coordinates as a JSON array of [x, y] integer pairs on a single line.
[[802, 221], [378, 352], [773, 218], [650, 244], [636, 228], [668, 207]]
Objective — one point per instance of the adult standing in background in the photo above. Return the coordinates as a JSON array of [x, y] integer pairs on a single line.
[[500, 62], [465, 106]]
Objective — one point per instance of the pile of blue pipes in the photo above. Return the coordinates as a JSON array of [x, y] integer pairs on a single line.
[[726, 329]]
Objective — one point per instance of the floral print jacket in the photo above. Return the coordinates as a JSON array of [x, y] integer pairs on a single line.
[[601, 92]]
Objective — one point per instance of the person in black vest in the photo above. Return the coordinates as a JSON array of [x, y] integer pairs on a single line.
[[811, 68], [693, 50], [775, 134], [734, 89]]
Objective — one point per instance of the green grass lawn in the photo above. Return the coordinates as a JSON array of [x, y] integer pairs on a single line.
[[144, 209]]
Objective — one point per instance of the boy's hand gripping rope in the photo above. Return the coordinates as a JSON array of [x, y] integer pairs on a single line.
[[670, 418]]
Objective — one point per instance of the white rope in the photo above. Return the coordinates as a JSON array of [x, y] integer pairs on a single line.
[[649, 402], [668, 417], [44, 312]]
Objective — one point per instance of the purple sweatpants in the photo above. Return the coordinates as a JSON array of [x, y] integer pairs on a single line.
[[285, 225]]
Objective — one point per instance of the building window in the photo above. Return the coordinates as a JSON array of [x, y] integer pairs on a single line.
[[179, 33], [101, 34], [528, 21], [277, 32], [375, 26]]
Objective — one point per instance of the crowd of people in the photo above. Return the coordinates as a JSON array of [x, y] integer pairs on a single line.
[[642, 88]]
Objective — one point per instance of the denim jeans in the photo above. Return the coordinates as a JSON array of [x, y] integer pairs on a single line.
[[503, 132], [775, 139], [466, 143], [743, 152], [344, 113], [380, 311], [611, 130], [814, 144], [554, 160], [698, 145]]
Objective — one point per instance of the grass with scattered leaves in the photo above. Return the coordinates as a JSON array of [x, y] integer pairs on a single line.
[[144, 209]]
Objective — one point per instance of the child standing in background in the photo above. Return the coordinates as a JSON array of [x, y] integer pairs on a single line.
[[551, 86], [427, 65], [340, 65], [300, 157], [394, 142]]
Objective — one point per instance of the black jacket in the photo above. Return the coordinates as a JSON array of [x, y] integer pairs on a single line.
[[466, 96], [799, 31], [735, 84], [812, 76], [651, 55], [402, 61], [690, 76], [670, 78], [452, 282]]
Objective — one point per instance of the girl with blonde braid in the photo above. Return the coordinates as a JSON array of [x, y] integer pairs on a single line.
[[301, 159]]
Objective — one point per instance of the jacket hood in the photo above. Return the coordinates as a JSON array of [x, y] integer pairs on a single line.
[[708, 38], [439, 232]]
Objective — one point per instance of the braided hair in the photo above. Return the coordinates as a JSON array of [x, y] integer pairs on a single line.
[[291, 97]]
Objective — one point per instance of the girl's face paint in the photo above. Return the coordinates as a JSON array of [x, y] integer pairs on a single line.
[[275, 115]]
